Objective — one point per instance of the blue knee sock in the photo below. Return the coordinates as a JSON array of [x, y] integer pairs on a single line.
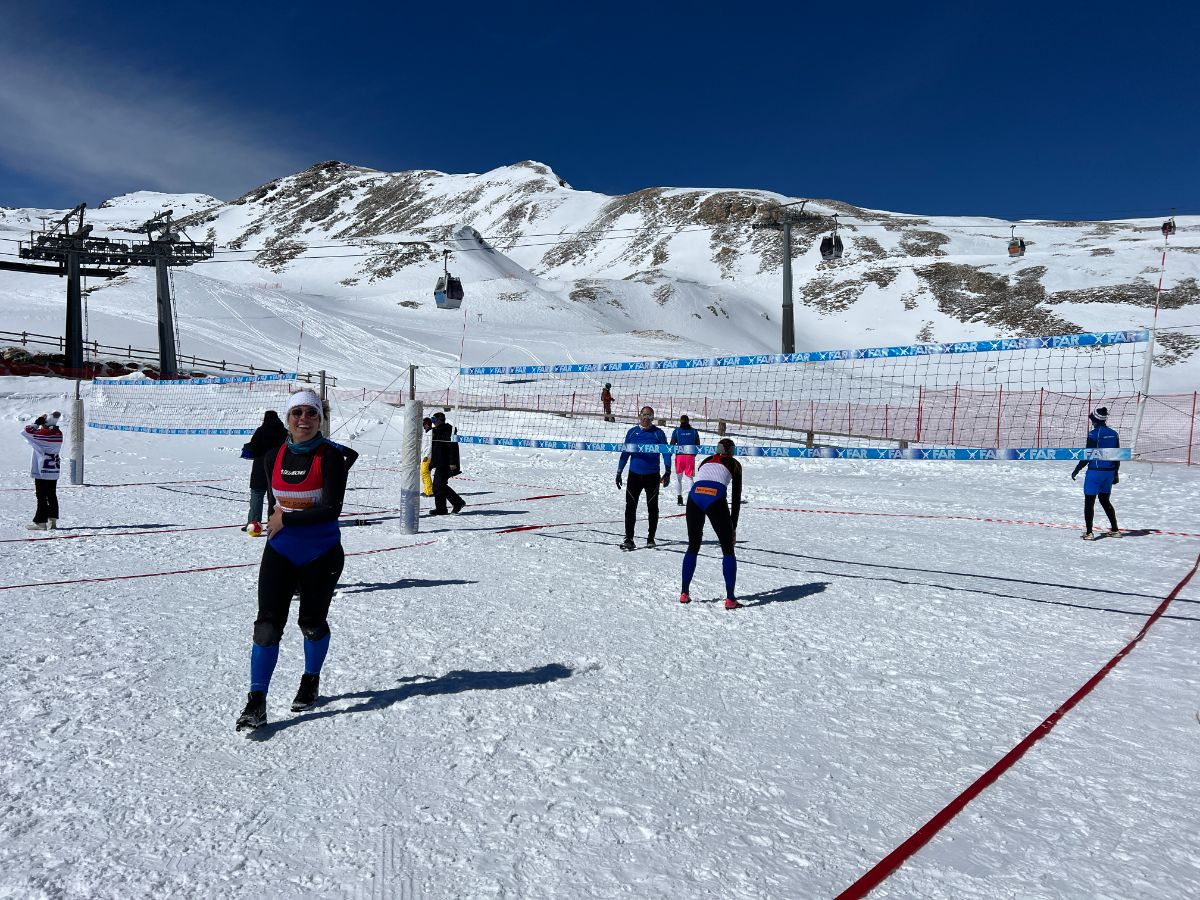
[[729, 570], [314, 655], [262, 666], [689, 569]]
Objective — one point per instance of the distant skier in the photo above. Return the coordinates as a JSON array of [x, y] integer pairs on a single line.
[[606, 400], [267, 436], [46, 440], [307, 486], [718, 477], [685, 462], [1102, 474], [643, 475]]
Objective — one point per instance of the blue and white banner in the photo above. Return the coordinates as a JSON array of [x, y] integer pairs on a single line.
[[958, 454], [149, 430], [195, 382], [996, 345]]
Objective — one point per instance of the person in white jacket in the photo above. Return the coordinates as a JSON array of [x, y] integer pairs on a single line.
[[46, 440]]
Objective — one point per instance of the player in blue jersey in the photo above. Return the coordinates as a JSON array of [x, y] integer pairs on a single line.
[[687, 439], [716, 496], [643, 475], [1101, 475]]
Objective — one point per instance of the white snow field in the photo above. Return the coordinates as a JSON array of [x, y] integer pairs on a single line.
[[532, 714]]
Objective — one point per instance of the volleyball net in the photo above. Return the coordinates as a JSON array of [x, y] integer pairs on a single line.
[[1006, 398], [225, 405]]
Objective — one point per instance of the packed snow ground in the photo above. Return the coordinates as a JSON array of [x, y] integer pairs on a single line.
[[532, 714]]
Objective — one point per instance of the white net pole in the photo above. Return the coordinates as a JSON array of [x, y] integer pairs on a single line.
[[77, 429], [410, 460]]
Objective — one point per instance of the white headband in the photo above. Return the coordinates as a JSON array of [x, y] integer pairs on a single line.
[[305, 398]]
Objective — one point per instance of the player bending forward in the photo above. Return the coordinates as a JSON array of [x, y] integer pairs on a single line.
[[717, 477]]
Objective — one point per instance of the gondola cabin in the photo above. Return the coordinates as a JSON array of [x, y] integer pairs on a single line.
[[1016, 245], [831, 247], [448, 292]]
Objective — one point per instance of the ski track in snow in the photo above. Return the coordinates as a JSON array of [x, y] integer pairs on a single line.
[[533, 714]]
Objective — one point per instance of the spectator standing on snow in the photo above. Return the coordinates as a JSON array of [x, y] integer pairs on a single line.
[[267, 436], [444, 460], [46, 439], [606, 400]]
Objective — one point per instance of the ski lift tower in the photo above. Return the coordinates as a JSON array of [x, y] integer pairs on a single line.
[[162, 252], [784, 223], [71, 249]]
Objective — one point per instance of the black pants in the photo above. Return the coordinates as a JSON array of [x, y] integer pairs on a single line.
[[722, 523], [1089, 510], [278, 579], [634, 486], [442, 490], [46, 491]]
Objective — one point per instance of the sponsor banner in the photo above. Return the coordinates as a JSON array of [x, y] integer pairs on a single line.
[[1091, 339], [194, 382], [956, 454], [148, 430]]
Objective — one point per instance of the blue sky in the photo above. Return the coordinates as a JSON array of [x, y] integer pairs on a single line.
[[1057, 110]]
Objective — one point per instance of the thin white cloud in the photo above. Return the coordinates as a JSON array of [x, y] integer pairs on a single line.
[[107, 130]]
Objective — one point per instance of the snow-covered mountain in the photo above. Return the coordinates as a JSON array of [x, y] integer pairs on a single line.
[[352, 253]]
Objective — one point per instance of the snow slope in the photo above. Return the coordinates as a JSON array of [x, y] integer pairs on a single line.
[[532, 714], [353, 253]]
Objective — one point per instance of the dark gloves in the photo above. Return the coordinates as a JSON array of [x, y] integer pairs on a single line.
[[1074, 475], [666, 479], [1117, 478], [619, 482]]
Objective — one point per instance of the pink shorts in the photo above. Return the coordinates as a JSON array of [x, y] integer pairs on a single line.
[[685, 465]]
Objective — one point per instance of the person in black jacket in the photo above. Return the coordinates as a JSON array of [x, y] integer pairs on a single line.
[[444, 460], [269, 435]]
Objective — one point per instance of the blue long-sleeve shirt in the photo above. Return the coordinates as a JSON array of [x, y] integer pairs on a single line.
[[644, 463], [686, 437]]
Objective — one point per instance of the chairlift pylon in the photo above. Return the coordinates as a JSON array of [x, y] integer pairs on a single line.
[[831, 244], [448, 292], [1016, 245]]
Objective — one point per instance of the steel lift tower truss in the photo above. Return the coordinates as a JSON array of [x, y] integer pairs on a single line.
[[74, 248]]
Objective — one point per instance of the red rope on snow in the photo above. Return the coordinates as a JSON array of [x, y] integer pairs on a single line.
[[992, 519], [885, 867]]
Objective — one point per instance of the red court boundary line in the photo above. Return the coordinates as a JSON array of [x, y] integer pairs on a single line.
[[9, 587], [992, 519], [133, 484], [890, 863], [345, 515]]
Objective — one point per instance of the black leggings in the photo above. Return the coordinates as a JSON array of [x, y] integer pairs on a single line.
[[650, 483], [46, 491], [278, 579], [1089, 510], [722, 523]]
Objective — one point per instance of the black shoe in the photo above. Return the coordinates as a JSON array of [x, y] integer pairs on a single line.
[[255, 713], [650, 542], [628, 544], [679, 499], [306, 696], [459, 506], [438, 512]]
